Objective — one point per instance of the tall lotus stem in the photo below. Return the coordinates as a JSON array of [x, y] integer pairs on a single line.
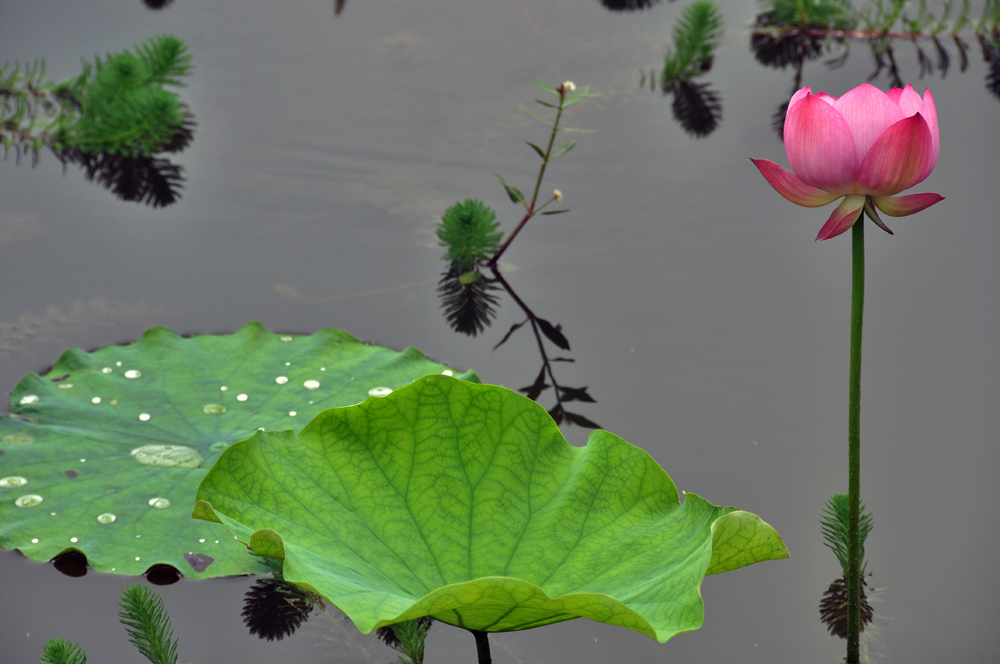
[[854, 446], [482, 646]]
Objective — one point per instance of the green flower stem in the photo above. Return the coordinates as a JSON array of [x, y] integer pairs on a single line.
[[482, 646], [538, 181], [854, 445]]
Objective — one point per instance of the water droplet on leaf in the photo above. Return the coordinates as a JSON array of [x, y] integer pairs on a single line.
[[106, 370], [28, 399], [380, 391], [16, 440], [159, 503], [311, 385], [176, 456], [214, 409], [133, 374], [281, 380], [286, 338], [106, 518], [144, 417], [29, 500], [65, 386], [241, 397], [12, 482], [96, 400]]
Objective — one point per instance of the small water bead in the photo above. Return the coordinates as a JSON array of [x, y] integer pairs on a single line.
[[74, 540], [241, 397], [118, 363], [224, 388], [65, 386], [380, 391], [281, 380], [29, 500], [113, 402], [202, 540], [322, 368], [214, 409], [96, 400], [311, 385], [174, 456], [106, 518], [106, 370], [144, 417], [286, 338], [34, 540], [137, 558], [132, 374], [16, 440], [447, 372], [159, 503], [12, 482], [292, 413], [28, 399]]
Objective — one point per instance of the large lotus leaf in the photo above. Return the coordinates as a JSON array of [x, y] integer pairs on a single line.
[[83, 438], [464, 502]]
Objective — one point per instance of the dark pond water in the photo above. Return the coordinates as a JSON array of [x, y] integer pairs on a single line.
[[709, 326]]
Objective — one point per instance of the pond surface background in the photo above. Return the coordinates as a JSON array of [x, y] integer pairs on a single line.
[[709, 326]]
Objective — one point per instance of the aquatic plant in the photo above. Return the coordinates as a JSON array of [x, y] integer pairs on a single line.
[[463, 502], [102, 455], [112, 119], [146, 622], [866, 146], [469, 287]]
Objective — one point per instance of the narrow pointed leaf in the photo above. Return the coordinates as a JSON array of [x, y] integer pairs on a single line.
[[545, 104], [541, 153], [465, 503], [581, 421], [543, 86], [555, 211], [534, 115], [511, 331], [535, 389], [554, 333], [564, 148], [513, 192]]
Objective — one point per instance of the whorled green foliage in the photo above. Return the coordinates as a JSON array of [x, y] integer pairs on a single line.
[[117, 106], [465, 503], [835, 525], [832, 14], [696, 37], [148, 625], [469, 231], [103, 454], [62, 651]]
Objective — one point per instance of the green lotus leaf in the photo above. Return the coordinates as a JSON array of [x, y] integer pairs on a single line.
[[103, 454], [465, 503]]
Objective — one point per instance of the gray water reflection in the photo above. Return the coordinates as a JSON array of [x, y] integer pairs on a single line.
[[711, 325]]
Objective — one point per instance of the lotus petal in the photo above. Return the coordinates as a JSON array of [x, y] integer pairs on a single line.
[[791, 187], [868, 112], [843, 217], [900, 158], [820, 146], [901, 206]]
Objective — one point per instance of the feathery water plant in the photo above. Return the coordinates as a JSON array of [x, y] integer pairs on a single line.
[[62, 651], [148, 625], [696, 36], [469, 231]]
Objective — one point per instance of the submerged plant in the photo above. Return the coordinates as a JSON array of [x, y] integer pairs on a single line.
[[696, 36], [866, 147], [470, 286], [146, 622], [836, 526], [112, 119]]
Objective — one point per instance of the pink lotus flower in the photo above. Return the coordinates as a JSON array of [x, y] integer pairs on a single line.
[[865, 147]]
